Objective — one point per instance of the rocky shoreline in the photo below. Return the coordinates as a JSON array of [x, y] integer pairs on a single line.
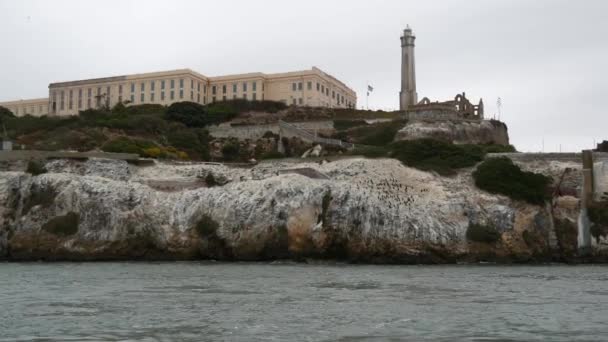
[[353, 209]]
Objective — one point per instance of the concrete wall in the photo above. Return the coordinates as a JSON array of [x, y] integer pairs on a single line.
[[254, 132]]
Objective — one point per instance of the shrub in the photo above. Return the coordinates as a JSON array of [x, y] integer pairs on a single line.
[[270, 135], [598, 215], [153, 152], [210, 180], [494, 148], [371, 151], [127, 145], [63, 225], [272, 155], [231, 151], [433, 155], [482, 233], [501, 176], [207, 227], [190, 114], [35, 168], [342, 125], [5, 115], [378, 134]]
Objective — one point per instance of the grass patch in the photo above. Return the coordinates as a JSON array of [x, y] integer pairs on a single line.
[[66, 225], [379, 134], [482, 233], [433, 155], [502, 176], [342, 125]]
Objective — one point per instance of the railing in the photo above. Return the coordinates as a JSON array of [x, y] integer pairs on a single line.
[[308, 136]]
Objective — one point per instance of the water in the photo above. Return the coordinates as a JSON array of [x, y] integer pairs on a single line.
[[299, 302]]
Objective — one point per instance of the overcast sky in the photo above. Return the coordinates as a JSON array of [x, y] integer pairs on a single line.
[[546, 59]]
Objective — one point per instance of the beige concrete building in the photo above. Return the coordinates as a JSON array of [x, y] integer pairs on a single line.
[[312, 87]]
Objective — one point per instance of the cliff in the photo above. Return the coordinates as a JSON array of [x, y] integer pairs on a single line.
[[457, 132], [352, 209]]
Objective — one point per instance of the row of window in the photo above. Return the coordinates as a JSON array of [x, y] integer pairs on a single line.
[[28, 110], [340, 99], [254, 97], [254, 88]]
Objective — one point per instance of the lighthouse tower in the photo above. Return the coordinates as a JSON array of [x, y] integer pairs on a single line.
[[408, 95]]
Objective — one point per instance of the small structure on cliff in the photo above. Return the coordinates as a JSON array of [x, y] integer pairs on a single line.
[[458, 108]]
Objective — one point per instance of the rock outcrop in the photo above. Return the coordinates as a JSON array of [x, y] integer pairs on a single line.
[[367, 211], [457, 132]]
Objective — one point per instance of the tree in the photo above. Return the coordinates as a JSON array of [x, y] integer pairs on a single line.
[[189, 113]]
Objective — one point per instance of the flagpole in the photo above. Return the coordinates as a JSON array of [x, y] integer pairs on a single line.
[[367, 97]]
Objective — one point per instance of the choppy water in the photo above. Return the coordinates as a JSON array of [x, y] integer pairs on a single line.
[[299, 302]]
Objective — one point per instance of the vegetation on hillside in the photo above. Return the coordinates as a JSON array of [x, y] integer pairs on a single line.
[[502, 176], [598, 215]]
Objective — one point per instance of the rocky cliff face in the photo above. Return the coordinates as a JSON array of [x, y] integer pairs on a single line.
[[357, 209], [457, 132]]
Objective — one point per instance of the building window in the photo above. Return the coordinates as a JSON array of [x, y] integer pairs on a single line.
[[172, 84], [213, 99], [309, 85], [300, 101], [224, 89], [152, 85], [132, 98], [213, 90], [224, 98], [89, 103], [204, 91], [119, 98], [62, 105], [151, 97], [181, 82], [294, 87], [142, 97], [191, 84], [71, 99], [79, 102], [254, 86], [192, 95], [162, 96], [333, 94], [181, 93], [234, 88], [132, 87], [162, 84], [244, 86], [323, 89], [143, 86], [120, 89], [327, 91], [172, 95], [318, 86], [198, 87], [198, 98], [294, 101], [89, 92], [299, 85], [254, 96]]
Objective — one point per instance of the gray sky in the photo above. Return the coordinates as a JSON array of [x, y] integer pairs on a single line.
[[546, 59]]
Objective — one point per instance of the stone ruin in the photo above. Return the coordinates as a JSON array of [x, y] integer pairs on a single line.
[[459, 108]]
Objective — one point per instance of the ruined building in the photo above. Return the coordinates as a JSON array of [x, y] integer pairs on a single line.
[[458, 108]]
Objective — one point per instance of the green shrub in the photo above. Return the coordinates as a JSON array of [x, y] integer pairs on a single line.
[[127, 145], [270, 135], [210, 180], [272, 155], [190, 114], [207, 227], [433, 155], [371, 151], [342, 125], [494, 148], [501, 176], [379, 134], [35, 168], [482, 233], [231, 151], [598, 215], [63, 225]]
